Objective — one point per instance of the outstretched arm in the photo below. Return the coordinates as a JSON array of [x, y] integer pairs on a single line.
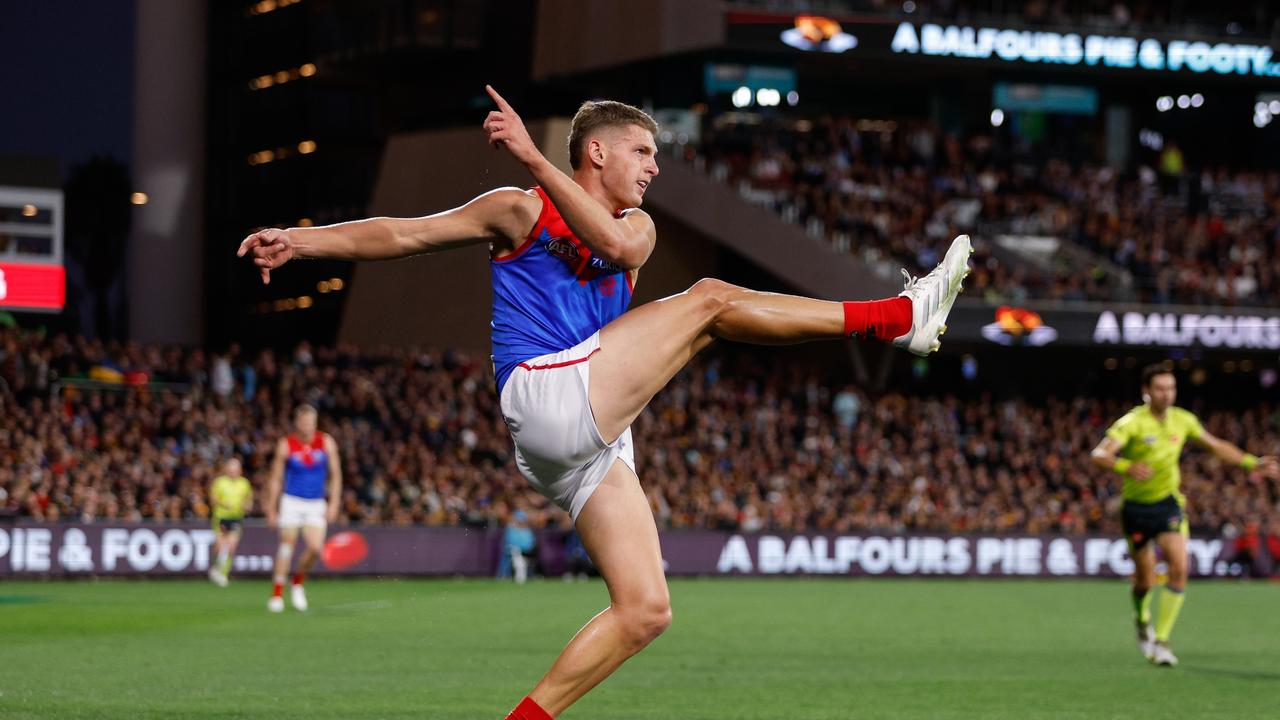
[[499, 216], [1232, 455], [627, 241]]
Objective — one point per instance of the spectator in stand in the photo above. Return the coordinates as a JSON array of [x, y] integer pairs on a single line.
[[518, 547], [1255, 551], [577, 564]]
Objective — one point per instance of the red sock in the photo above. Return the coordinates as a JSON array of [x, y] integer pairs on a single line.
[[277, 590], [529, 710], [879, 319], [297, 577]]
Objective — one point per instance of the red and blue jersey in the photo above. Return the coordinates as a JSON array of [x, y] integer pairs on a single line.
[[306, 470], [551, 293]]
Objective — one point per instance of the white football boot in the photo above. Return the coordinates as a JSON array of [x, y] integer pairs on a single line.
[[298, 597], [217, 578], [276, 604], [1161, 654], [932, 297], [1146, 641]]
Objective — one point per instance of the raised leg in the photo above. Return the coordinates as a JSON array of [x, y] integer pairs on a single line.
[[642, 350]]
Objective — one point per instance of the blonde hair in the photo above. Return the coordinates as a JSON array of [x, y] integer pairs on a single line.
[[594, 115]]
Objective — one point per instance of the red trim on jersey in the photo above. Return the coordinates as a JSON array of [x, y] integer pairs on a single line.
[[297, 446], [317, 442], [532, 237], [528, 243], [553, 366]]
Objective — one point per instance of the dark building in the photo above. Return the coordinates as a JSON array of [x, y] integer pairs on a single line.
[[302, 95]]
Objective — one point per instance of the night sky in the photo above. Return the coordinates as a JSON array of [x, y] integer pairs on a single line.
[[66, 67]]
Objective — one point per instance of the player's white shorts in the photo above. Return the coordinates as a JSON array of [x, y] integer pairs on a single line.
[[296, 512], [558, 446]]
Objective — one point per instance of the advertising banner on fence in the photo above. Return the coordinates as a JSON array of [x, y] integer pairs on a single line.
[[1124, 326], [907, 556], [62, 550], [151, 549]]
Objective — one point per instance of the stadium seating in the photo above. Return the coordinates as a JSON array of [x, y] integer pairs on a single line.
[[736, 442], [895, 192]]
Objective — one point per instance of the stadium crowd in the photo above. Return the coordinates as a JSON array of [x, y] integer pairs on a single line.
[[896, 192], [737, 441]]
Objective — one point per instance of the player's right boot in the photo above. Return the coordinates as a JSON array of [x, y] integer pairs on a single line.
[[932, 297], [1146, 640], [217, 578], [276, 604], [1161, 654], [298, 597]]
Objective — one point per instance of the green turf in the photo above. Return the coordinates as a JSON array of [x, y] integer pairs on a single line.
[[776, 649]]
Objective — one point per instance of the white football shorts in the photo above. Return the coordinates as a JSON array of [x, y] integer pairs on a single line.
[[558, 446], [296, 512]]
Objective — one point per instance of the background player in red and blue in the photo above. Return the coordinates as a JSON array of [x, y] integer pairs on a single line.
[[308, 464], [574, 367]]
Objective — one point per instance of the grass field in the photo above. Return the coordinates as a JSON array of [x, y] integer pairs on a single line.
[[750, 649]]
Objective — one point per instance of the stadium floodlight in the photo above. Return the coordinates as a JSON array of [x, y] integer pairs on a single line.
[[1274, 107], [1261, 120], [1197, 100], [767, 97], [1164, 103], [1184, 101], [997, 117], [741, 97], [793, 98]]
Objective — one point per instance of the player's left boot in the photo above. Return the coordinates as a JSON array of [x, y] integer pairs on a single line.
[[217, 577], [298, 597], [1162, 655], [932, 297], [1146, 640]]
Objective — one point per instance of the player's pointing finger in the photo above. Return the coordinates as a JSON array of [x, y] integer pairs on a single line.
[[503, 105]]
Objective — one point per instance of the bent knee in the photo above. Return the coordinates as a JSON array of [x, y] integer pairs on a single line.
[[713, 294], [644, 622], [708, 285]]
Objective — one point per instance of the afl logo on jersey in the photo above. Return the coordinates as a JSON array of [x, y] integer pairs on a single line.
[[564, 249], [580, 261]]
